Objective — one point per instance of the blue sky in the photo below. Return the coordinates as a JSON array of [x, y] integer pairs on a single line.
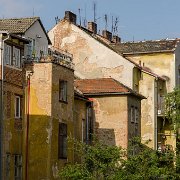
[[138, 19]]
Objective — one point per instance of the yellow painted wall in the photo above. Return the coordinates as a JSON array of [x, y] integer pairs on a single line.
[[46, 111], [161, 63]]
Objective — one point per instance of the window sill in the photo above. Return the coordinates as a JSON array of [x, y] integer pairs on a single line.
[[65, 102], [62, 158], [13, 67]]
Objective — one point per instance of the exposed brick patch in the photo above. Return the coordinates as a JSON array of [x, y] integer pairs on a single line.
[[13, 76]]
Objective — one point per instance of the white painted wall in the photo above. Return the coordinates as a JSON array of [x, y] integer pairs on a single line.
[[41, 43]]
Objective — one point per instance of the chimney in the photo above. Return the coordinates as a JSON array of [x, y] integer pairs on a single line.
[[106, 34], [71, 17], [92, 26], [116, 39]]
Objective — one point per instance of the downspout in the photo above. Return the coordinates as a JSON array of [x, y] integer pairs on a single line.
[[155, 113], [27, 127], [2, 103]]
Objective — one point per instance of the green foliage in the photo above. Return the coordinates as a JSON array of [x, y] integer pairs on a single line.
[[103, 162], [172, 108]]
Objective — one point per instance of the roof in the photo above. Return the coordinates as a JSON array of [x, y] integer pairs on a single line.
[[20, 25], [103, 86], [165, 45]]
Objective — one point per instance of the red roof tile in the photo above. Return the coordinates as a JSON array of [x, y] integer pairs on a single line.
[[103, 85]]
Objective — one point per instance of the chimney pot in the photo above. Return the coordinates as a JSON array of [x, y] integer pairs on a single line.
[[71, 17], [92, 26], [116, 39], [106, 34]]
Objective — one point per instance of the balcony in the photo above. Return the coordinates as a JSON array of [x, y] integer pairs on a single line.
[[52, 55]]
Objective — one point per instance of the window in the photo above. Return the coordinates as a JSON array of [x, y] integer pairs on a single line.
[[17, 107], [62, 143], [83, 130], [7, 54], [63, 91], [89, 125], [8, 161], [16, 57], [136, 115], [132, 114], [18, 167]]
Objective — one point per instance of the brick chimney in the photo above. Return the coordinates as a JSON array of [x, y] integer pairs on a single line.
[[106, 34], [92, 26], [71, 17], [116, 39]]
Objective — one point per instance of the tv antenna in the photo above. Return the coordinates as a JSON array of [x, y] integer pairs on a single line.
[[79, 16], [116, 26], [94, 10], [112, 28], [56, 19], [106, 21], [85, 19]]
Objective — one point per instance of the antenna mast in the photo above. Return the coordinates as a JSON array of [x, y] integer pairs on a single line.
[[106, 21], [94, 9], [79, 16], [112, 24]]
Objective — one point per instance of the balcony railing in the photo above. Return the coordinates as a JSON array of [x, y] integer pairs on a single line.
[[53, 55]]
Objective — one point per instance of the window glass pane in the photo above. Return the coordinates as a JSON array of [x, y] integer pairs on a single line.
[[63, 90], [17, 107], [62, 142]]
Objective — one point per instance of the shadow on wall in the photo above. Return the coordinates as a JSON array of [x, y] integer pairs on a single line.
[[105, 135]]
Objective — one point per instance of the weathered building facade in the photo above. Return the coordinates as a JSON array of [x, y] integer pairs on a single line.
[[92, 57], [50, 98], [160, 66], [117, 110], [12, 104]]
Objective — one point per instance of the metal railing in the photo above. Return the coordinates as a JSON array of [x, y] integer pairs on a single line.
[[53, 55]]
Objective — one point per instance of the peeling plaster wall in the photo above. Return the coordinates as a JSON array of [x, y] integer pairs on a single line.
[[40, 121], [177, 66], [113, 119], [162, 64], [46, 111], [147, 109], [92, 59]]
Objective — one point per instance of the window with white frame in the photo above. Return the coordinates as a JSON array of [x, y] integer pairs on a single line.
[[132, 114], [17, 167], [63, 90], [17, 107], [7, 54], [16, 57]]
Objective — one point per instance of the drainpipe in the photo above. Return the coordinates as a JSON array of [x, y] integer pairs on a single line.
[[155, 113], [2, 103], [27, 126]]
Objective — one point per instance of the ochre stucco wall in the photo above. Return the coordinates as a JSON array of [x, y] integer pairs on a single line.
[[46, 111], [162, 64]]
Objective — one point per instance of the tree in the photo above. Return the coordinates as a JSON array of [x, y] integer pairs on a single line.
[[105, 162], [99, 161], [172, 108]]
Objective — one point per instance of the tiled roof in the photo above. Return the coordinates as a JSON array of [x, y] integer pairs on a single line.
[[17, 25], [146, 46], [102, 86]]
